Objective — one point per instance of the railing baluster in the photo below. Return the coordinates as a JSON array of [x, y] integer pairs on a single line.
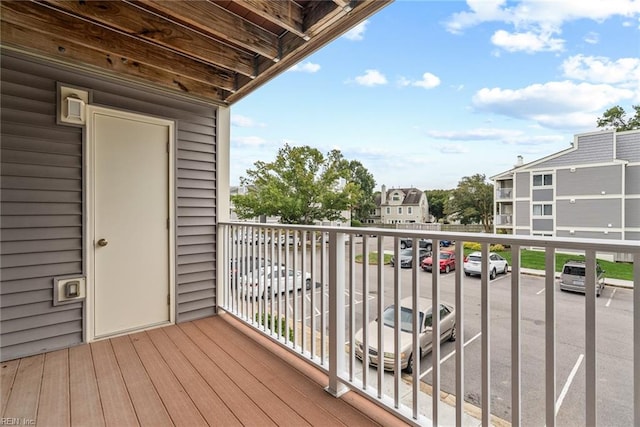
[[323, 308], [380, 311], [435, 330], [352, 307], [397, 283], [516, 358], [415, 293], [314, 277], [365, 310], [636, 338], [590, 338], [460, 332], [305, 292], [485, 361], [550, 337]]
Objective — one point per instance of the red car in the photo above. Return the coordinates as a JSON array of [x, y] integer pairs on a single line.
[[447, 262]]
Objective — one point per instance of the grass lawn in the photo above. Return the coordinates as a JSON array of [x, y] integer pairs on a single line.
[[535, 260]]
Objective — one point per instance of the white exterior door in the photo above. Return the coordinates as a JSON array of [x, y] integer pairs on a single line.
[[129, 227]]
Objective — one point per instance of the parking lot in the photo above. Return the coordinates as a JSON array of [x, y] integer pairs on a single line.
[[614, 310]]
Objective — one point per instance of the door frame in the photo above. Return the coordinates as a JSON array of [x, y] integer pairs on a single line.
[[89, 235]]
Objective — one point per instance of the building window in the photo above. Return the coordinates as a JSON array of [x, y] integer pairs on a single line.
[[409, 211], [540, 180], [542, 210], [400, 211], [388, 211], [396, 198]]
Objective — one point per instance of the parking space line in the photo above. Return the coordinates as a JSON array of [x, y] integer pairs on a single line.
[[540, 291], [565, 389], [610, 298], [444, 359]]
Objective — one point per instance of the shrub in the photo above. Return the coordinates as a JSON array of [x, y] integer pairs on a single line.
[[283, 324], [474, 246]]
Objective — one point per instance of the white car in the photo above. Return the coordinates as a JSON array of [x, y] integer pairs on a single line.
[[272, 280], [497, 264], [425, 337]]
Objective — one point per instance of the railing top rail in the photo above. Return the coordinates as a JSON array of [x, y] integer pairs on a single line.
[[602, 245]]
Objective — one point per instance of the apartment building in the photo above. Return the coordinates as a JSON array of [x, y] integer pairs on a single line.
[[591, 190]]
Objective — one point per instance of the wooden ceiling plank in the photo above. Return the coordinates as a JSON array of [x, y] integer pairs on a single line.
[[154, 29], [284, 13], [319, 14], [213, 19], [57, 24], [62, 49]]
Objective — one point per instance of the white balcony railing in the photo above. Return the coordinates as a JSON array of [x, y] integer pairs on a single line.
[[528, 341], [504, 193], [503, 219]]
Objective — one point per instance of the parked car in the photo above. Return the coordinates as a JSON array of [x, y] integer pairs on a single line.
[[406, 257], [273, 279], [497, 264], [447, 262], [407, 242], [447, 331], [573, 274]]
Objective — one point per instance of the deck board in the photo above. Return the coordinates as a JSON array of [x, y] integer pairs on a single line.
[[149, 408], [53, 407], [86, 408], [116, 404], [212, 371]]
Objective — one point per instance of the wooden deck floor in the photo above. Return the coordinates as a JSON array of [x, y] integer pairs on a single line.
[[213, 371]]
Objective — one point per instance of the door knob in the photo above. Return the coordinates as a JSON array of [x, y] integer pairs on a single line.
[[103, 242]]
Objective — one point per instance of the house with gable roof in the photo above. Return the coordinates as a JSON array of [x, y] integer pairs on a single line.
[[400, 206]]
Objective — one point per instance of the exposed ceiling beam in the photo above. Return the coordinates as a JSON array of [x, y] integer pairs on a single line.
[[284, 13], [137, 23], [70, 52], [215, 20]]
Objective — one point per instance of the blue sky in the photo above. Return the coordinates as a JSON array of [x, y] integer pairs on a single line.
[[425, 93]]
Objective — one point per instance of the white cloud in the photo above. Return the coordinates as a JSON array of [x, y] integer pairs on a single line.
[[452, 149], [251, 141], [244, 121], [535, 22], [527, 41], [357, 32], [307, 67], [540, 14], [597, 69], [429, 81], [562, 104], [592, 37], [371, 78], [478, 134]]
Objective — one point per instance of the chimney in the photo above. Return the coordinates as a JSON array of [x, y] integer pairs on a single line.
[[519, 162], [383, 195]]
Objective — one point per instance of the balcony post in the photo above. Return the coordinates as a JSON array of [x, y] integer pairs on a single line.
[[336, 313]]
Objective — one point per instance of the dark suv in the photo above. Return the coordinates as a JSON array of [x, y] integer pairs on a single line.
[[572, 277]]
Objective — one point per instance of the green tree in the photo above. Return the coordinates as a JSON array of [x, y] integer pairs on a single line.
[[437, 203], [363, 202], [615, 118], [472, 201], [300, 186]]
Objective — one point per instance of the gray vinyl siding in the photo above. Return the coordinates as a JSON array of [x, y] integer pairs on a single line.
[[632, 179], [522, 232], [590, 235], [523, 214], [523, 183], [42, 201], [589, 213], [589, 181], [541, 225], [632, 235], [545, 195], [628, 146], [592, 148], [632, 213]]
